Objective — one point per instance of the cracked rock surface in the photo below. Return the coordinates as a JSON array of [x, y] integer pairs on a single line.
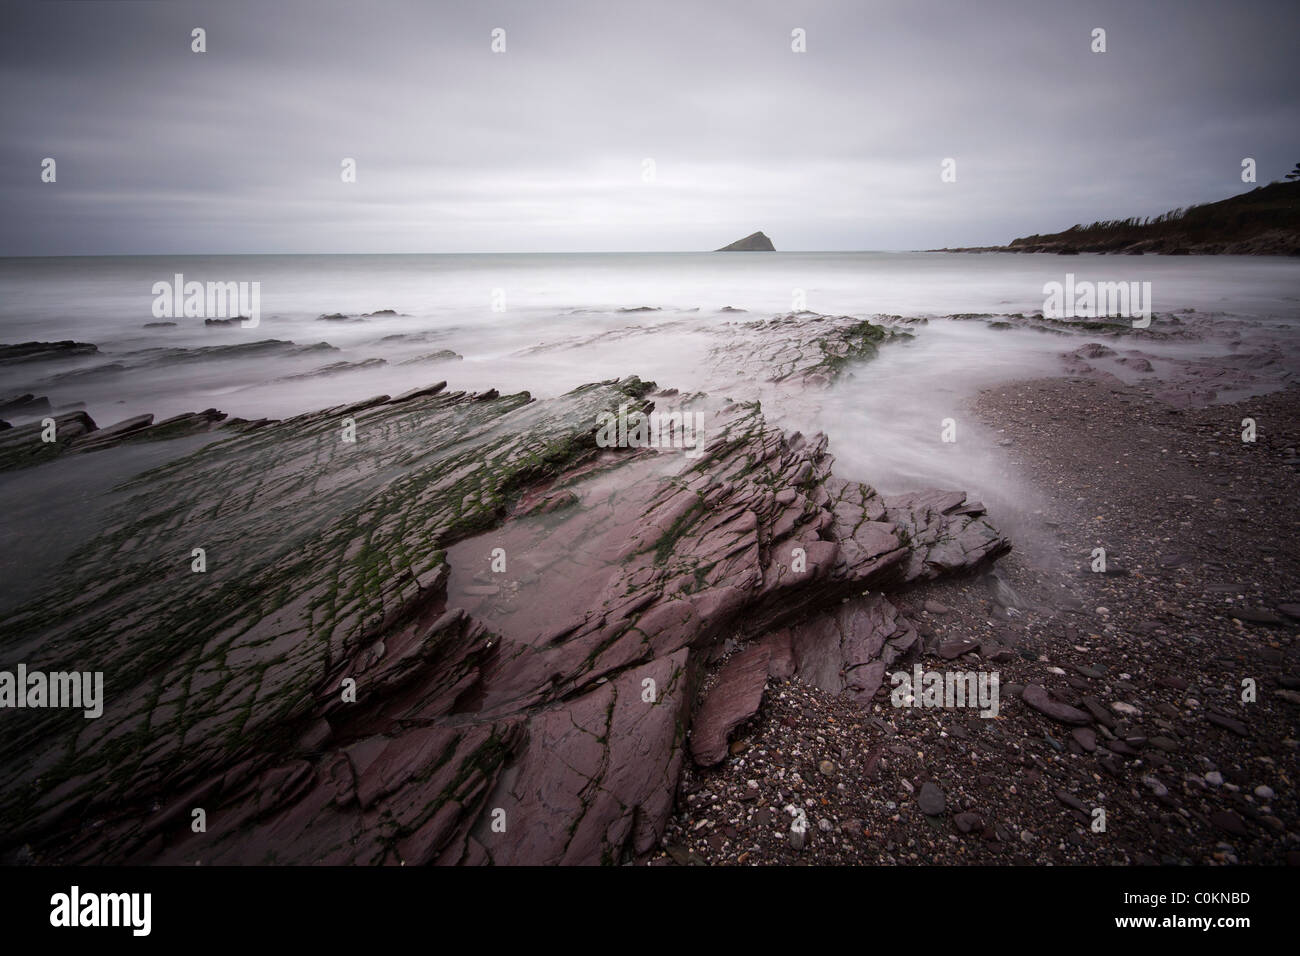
[[347, 681]]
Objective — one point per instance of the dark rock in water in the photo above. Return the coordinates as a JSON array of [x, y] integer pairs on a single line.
[[371, 315], [158, 325], [4, 425], [420, 392], [77, 432], [931, 800], [1038, 698], [112, 433], [178, 426], [732, 701], [23, 446], [754, 242], [335, 368], [226, 322], [44, 351], [27, 404], [336, 317], [1093, 350], [442, 355]]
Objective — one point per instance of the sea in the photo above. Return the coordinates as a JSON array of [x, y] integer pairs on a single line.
[[546, 323]]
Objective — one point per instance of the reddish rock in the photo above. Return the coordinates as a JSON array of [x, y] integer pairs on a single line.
[[734, 699], [1038, 698]]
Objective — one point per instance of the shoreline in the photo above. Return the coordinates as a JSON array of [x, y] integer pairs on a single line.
[[1153, 632]]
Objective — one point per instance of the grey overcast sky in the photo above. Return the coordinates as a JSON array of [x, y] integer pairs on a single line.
[[541, 148]]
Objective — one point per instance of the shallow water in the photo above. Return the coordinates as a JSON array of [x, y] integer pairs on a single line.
[[446, 302], [570, 319]]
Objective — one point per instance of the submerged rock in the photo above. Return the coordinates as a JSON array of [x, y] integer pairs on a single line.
[[44, 351], [25, 404], [24, 445]]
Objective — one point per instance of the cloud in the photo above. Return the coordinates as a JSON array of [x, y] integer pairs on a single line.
[[541, 148]]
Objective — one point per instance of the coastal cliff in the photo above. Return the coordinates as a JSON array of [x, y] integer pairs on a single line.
[[1262, 222]]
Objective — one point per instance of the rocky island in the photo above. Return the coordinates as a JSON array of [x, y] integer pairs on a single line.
[[754, 242]]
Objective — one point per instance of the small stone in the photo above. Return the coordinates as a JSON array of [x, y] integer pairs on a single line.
[[1155, 786], [1214, 778], [1228, 723], [1070, 800], [1037, 698], [1264, 793], [1085, 737], [931, 800], [1229, 822], [934, 607]]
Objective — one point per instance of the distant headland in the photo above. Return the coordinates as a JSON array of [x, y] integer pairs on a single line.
[[1262, 222]]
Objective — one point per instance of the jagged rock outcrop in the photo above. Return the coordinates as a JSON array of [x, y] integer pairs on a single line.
[[754, 242], [338, 685], [25, 445], [44, 351], [25, 404]]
